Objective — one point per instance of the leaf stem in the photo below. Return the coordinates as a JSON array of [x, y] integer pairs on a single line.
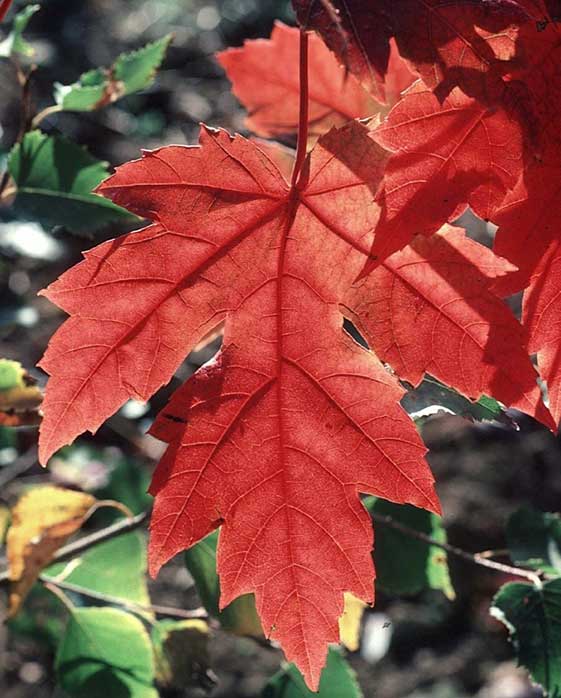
[[44, 113], [474, 558], [302, 143]]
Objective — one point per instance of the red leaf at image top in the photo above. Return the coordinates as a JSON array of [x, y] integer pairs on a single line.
[[450, 43], [276, 437], [264, 74], [265, 78]]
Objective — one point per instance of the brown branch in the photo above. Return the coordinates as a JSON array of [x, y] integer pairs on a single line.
[[473, 558]]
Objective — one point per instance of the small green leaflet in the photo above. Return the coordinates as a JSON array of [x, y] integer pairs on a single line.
[[338, 680], [533, 618], [105, 653], [116, 567], [130, 73], [14, 42], [240, 617], [55, 179], [405, 565], [534, 540]]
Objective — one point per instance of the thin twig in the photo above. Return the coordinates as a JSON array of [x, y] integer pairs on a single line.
[[61, 596], [86, 542], [474, 558], [24, 463], [196, 613], [44, 113]]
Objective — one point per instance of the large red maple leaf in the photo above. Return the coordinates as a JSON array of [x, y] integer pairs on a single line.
[[275, 438]]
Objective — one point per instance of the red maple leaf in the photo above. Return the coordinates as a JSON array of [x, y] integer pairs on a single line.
[[436, 288], [450, 43], [291, 399], [529, 219], [542, 319], [445, 156], [264, 74]]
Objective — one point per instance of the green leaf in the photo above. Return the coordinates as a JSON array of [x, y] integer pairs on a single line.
[[338, 680], [116, 567], [533, 618], [14, 42], [432, 394], [534, 540], [105, 653], [240, 617], [181, 653], [55, 178], [130, 73], [405, 565]]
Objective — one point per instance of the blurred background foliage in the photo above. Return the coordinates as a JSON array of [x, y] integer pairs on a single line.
[[419, 644]]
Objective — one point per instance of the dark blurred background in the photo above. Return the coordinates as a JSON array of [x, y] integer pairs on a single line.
[[419, 647]]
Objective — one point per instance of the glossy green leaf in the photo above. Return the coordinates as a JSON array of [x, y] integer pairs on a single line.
[[181, 653], [116, 567], [534, 540], [14, 42], [433, 394], [406, 565], [130, 73], [338, 680], [105, 653], [55, 179], [533, 618], [240, 616]]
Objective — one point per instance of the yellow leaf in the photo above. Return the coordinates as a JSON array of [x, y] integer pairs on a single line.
[[42, 521], [349, 622]]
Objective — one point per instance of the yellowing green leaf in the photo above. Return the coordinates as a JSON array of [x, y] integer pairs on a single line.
[[42, 521]]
